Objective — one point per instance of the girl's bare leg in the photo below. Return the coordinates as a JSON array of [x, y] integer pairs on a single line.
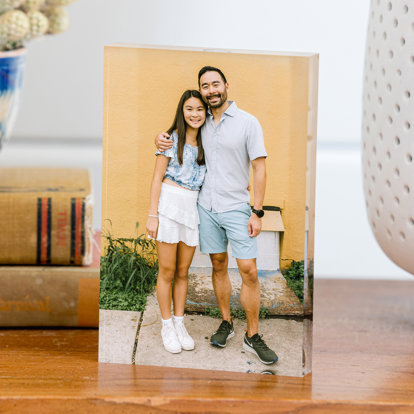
[[180, 286], [167, 256]]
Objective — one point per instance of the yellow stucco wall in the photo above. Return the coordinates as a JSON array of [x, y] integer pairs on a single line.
[[142, 87]]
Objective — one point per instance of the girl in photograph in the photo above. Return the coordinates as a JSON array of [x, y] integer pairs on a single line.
[[173, 218]]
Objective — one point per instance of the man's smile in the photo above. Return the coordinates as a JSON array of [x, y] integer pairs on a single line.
[[217, 96]]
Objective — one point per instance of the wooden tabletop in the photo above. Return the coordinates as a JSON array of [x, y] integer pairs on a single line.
[[363, 362]]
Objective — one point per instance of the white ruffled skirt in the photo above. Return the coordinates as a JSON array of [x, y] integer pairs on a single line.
[[178, 216]]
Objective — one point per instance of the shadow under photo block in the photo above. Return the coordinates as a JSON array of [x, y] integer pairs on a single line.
[[142, 86]]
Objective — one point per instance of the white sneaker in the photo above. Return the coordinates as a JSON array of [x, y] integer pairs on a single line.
[[187, 343], [170, 339]]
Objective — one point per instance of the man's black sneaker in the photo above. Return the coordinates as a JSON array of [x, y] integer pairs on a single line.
[[257, 346], [224, 332]]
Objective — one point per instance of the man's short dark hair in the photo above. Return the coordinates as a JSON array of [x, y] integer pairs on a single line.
[[210, 69]]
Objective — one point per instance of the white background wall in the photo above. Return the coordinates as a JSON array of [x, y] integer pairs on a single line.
[[64, 76]]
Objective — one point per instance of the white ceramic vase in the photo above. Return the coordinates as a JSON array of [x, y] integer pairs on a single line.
[[388, 128]]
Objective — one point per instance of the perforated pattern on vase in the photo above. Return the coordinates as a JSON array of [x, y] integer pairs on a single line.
[[388, 128]]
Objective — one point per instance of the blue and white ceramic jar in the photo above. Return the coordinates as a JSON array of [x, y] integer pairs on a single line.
[[12, 65]]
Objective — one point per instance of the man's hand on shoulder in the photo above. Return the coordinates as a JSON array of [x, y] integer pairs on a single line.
[[163, 141], [254, 225]]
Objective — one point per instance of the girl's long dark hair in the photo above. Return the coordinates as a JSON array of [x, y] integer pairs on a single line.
[[180, 125]]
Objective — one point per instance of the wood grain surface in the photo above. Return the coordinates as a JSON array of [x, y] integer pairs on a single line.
[[363, 362]]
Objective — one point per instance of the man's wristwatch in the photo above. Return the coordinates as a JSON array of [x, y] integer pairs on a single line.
[[259, 213]]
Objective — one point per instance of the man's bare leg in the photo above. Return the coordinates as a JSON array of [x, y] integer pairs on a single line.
[[221, 283], [250, 293], [250, 299]]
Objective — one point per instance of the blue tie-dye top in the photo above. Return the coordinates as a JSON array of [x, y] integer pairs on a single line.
[[189, 175]]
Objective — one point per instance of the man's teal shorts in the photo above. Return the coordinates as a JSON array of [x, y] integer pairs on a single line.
[[217, 229]]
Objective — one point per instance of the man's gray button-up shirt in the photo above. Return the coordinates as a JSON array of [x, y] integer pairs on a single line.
[[229, 147]]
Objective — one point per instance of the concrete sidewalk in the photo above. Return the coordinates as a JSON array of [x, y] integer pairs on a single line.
[[284, 336], [124, 339]]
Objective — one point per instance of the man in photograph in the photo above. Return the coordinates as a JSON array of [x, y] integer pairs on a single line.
[[232, 141]]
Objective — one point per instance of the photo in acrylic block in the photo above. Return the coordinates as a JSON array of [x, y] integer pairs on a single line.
[[243, 126]]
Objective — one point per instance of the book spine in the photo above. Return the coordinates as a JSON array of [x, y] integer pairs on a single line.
[[49, 296], [46, 230]]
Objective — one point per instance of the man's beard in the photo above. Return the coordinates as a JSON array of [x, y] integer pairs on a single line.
[[223, 99]]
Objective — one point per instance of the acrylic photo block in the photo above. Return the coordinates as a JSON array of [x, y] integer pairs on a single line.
[[142, 86]]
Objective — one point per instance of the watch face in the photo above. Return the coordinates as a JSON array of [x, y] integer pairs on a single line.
[[259, 213]]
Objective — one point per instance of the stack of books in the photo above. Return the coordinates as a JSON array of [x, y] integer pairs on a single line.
[[49, 255]]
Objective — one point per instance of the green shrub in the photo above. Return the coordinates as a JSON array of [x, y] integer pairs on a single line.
[[295, 278], [129, 269], [310, 278]]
